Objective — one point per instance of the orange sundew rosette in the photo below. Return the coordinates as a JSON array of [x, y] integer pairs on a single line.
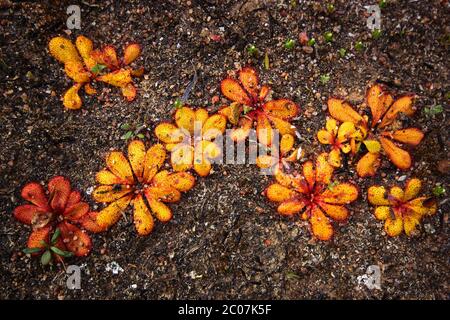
[[401, 209], [312, 196], [375, 134], [136, 179]]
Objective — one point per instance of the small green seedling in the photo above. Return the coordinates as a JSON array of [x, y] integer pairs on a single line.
[[342, 52], [439, 191], [382, 4], [376, 34], [266, 61], [289, 44], [328, 36], [325, 78], [434, 110], [330, 8], [359, 46], [98, 68], [132, 133], [311, 42], [252, 50]]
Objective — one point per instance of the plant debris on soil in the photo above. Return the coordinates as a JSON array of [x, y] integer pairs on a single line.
[[225, 240]]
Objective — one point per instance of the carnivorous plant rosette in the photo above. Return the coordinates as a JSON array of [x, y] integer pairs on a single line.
[[190, 139], [83, 64], [378, 134], [137, 180], [53, 217], [401, 209], [249, 105], [313, 196]]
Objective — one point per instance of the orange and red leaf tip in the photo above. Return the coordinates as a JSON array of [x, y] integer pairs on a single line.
[[89, 222], [34, 193], [401, 105], [398, 156], [411, 136], [59, 190], [154, 159], [368, 165], [342, 193], [185, 119], [249, 79], [324, 170], [142, 217], [76, 211], [110, 193], [182, 157], [136, 156], [320, 224], [161, 211], [63, 50], [284, 109], [291, 207], [76, 240], [38, 236], [26, 213], [131, 52], [335, 212], [119, 78], [342, 111], [232, 90], [71, 99], [377, 195], [214, 126], [278, 193], [75, 70], [118, 164], [111, 214], [129, 91], [412, 188]]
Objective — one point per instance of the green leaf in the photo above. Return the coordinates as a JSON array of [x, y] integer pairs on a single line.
[[42, 242], [434, 110], [252, 50], [382, 4], [439, 191], [62, 253], [311, 42], [140, 136], [328, 36], [127, 135], [333, 184], [46, 258], [178, 104], [376, 34], [31, 250], [342, 52], [125, 126], [55, 236], [330, 8], [292, 276], [289, 44], [266, 61], [359, 46], [324, 79], [98, 68]]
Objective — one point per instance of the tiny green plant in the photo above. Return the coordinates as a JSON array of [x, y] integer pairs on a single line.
[[433, 110], [330, 8], [376, 34], [311, 42], [289, 44], [178, 103], [359, 46], [252, 50], [382, 4], [132, 132], [342, 52], [328, 36], [325, 78], [439, 191]]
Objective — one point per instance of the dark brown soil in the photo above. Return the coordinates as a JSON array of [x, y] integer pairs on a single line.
[[226, 240]]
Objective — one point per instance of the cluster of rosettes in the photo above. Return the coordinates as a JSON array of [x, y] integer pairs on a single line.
[[191, 139], [376, 134], [84, 64]]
